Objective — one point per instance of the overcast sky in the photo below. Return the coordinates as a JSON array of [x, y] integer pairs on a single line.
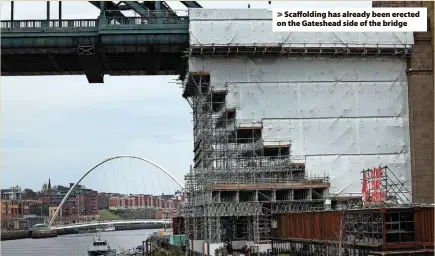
[[58, 127]]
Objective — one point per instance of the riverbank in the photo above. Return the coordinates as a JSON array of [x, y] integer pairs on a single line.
[[73, 245], [15, 234], [158, 244], [24, 234]]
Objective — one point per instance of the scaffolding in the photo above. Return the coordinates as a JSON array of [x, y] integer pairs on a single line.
[[298, 49], [238, 180], [381, 187]]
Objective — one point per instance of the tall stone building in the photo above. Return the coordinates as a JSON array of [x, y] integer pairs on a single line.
[[421, 104]]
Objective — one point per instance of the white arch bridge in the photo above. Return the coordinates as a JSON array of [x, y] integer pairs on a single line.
[[117, 222], [50, 224]]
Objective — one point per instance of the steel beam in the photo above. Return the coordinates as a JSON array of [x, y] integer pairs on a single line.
[[60, 11], [191, 4], [138, 8], [102, 8], [12, 11], [108, 6], [159, 5], [48, 10]]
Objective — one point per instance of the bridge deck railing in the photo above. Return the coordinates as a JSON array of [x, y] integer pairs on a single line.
[[143, 18], [153, 13], [36, 24], [146, 20]]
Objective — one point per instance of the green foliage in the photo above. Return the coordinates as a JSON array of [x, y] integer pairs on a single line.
[[221, 251], [29, 194], [108, 215], [44, 188], [172, 252], [36, 210]]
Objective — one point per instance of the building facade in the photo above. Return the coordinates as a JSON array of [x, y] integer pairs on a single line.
[[12, 193], [103, 201], [81, 202], [131, 202]]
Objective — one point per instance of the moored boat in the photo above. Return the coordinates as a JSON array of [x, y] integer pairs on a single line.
[[100, 247], [107, 228]]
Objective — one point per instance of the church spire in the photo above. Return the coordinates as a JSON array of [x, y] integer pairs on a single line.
[[49, 185]]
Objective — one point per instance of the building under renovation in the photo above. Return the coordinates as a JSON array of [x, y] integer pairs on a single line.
[[277, 113]]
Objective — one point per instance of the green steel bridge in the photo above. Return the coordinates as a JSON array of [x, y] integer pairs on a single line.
[[150, 43]]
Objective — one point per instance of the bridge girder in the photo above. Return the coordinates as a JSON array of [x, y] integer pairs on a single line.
[[108, 5], [191, 4], [140, 8], [114, 45], [161, 5], [137, 7]]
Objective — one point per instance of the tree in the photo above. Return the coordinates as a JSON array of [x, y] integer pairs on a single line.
[[29, 194], [339, 243], [44, 188], [221, 251], [39, 210]]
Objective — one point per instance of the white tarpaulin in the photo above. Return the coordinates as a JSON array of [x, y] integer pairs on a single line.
[[254, 26], [340, 114]]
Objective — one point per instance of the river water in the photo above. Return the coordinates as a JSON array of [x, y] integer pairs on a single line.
[[72, 245]]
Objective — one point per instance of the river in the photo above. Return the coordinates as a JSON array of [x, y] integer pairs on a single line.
[[72, 245]]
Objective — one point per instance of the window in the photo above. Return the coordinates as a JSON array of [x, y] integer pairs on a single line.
[[399, 227]]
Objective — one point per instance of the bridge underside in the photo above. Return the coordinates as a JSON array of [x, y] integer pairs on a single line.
[[123, 61]]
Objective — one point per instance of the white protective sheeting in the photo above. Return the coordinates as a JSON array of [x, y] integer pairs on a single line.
[[345, 171], [307, 99], [340, 135], [243, 69], [341, 115], [254, 26]]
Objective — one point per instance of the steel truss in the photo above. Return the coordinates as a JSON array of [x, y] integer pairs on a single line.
[[237, 182]]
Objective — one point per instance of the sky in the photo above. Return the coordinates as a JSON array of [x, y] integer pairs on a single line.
[[58, 127]]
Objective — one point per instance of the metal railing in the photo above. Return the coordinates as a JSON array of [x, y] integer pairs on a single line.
[[153, 13], [36, 24], [148, 20], [150, 17], [140, 18]]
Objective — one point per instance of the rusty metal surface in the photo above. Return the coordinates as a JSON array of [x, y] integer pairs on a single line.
[[309, 225], [405, 253], [424, 224], [177, 225], [325, 226]]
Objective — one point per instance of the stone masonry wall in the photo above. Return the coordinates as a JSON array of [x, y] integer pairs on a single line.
[[421, 105]]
